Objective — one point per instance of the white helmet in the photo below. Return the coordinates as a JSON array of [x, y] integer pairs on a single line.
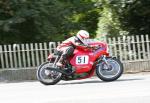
[[82, 34]]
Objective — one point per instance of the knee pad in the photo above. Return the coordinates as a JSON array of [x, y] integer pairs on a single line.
[[64, 56], [70, 51]]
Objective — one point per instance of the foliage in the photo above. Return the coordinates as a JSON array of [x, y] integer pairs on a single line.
[[136, 17], [109, 21], [53, 20], [44, 20], [122, 17]]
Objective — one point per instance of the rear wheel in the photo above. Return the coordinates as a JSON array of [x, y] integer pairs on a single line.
[[48, 76], [109, 72]]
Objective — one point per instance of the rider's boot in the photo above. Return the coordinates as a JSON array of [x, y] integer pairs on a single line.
[[60, 62]]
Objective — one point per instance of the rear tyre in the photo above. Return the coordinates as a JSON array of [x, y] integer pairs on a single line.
[[111, 72], [48, 76]]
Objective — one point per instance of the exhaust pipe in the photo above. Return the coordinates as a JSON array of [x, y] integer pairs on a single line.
[[59, 70]]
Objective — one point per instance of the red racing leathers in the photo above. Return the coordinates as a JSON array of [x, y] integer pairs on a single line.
[[67, 47]]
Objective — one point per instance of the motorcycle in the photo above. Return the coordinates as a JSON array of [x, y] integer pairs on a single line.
[[81, 65]]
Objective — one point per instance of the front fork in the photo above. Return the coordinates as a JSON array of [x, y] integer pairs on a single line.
[[103, 58]]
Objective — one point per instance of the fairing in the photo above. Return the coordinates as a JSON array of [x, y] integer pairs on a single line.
[[84, 59]]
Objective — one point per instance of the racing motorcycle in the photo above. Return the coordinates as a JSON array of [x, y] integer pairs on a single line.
[[84, 63]]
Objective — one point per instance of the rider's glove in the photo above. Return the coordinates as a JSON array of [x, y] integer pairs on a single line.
[[97, 47], [88, 46]]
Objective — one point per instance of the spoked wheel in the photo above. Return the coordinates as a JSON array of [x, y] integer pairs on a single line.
[[48, 76], [111, 71]]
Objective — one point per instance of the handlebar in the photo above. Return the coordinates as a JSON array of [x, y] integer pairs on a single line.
[[93, 47]]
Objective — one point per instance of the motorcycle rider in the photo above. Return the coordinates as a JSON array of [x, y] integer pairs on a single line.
[[67, 47]]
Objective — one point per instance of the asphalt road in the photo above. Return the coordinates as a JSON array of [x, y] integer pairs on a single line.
[[133, 88]]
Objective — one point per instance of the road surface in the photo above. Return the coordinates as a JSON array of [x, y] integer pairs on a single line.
[[130, 88]]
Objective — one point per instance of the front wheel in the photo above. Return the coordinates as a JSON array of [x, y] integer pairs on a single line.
[[110, 71], [48, 76]]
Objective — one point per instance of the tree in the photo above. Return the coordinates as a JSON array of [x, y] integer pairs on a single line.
[[136, 17], [44, 20], [123, 17]]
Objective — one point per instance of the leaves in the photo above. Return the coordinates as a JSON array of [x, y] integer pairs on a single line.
[[122, 17], [44, 20], [53, 20]]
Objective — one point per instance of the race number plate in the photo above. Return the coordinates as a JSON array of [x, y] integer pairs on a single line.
[[82, 59]]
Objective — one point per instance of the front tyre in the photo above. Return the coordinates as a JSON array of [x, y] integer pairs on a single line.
[[109, 72], [48, 76]]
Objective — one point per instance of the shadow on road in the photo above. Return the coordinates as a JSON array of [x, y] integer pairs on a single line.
[[82, 82], [99, 81], [134, 79], [91, 81]]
